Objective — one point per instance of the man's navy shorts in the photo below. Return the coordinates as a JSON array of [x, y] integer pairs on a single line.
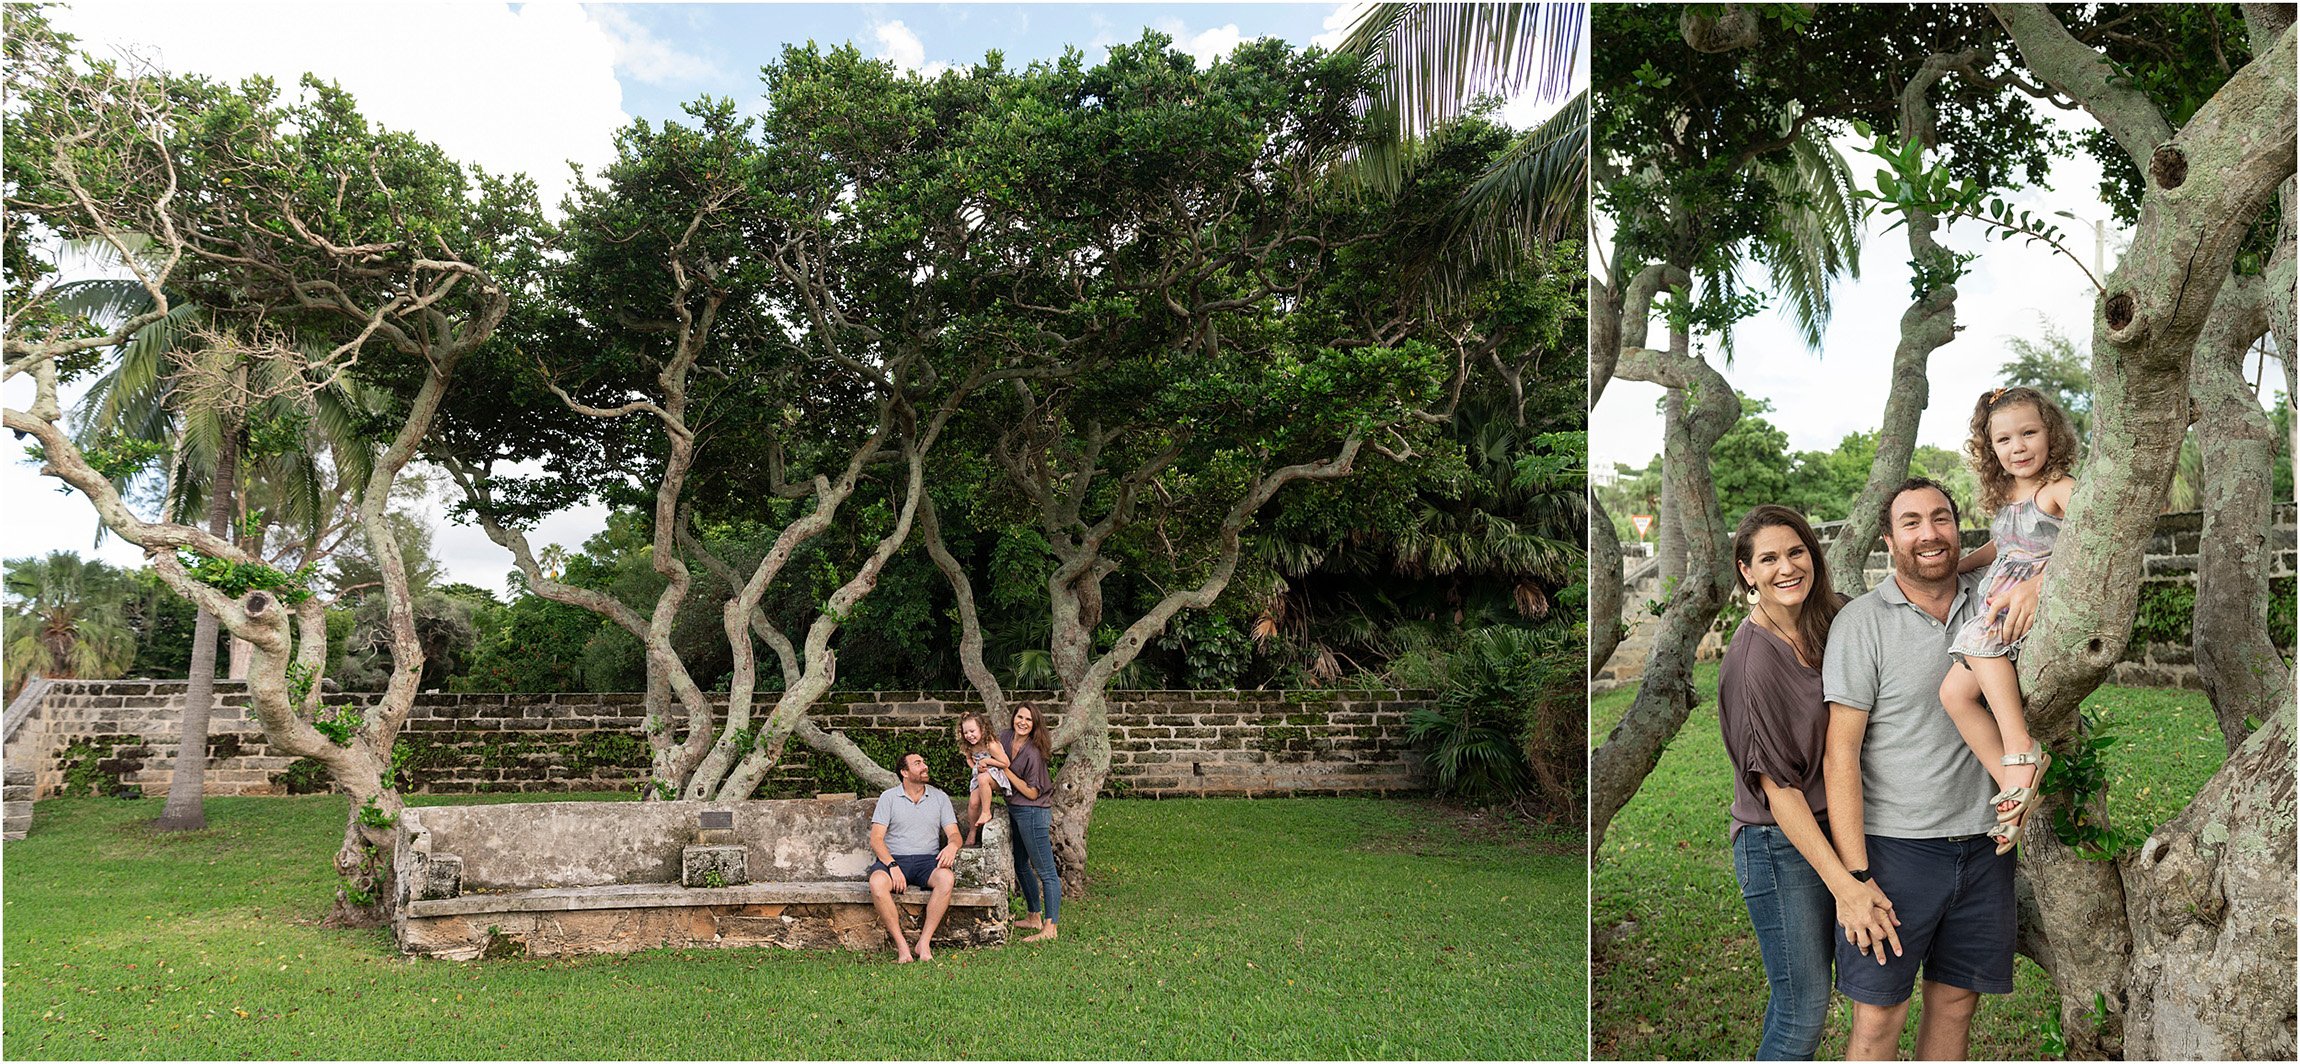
[[1955, 901], [917, 868]]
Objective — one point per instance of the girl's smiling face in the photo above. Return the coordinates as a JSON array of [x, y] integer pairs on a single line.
[[970, 732], [2017, 435]]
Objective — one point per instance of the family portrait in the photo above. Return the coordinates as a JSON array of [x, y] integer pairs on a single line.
[[794, 530], [1941, 446], [1305, 530]]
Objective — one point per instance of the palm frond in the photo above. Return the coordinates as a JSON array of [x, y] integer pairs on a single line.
[[1537, 191], [1438, 59], [1816, 235]]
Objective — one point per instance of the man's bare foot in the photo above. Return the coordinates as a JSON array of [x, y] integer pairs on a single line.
[[925, 952], [902, 954], [1045, 934]]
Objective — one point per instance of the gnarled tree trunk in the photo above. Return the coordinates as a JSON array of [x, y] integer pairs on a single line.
[[2111, 935], [1665, 694], [2241, 670], [1927, 326]]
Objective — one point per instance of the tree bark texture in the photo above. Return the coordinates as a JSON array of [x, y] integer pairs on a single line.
[[1665, 693], [1669, 525], [185, 809], [1927, 326], [2212, 914], [1074, 592], [2205, 184], [1078, 786], [1610, 330], [2241, 670]]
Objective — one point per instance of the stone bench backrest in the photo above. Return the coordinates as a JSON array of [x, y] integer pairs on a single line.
[[533, 845]]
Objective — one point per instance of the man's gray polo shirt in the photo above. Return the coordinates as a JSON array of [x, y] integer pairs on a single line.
[[1888, 656], [914, 827]]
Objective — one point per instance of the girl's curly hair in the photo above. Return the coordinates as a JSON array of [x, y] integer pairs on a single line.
[[2059, 434]]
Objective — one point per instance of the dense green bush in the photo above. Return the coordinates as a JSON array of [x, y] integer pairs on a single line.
[[1508, 721]]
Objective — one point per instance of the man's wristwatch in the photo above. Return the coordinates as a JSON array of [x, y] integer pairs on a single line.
[[1859, 874]]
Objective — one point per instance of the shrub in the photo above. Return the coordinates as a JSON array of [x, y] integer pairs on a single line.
[[1507, 721]]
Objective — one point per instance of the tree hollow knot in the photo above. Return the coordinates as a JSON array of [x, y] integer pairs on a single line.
[[2168, 167]]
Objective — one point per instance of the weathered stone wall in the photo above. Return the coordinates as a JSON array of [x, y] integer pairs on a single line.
[[2171, 560], [120, 734]]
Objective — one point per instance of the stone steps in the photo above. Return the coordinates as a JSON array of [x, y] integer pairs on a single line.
[[16, 803]]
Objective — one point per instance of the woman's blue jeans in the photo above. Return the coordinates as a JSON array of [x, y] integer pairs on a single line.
[[1796, 921], [1034, 859]]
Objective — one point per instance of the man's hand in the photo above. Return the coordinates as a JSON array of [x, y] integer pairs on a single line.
[[948, 856], [2019, 604], [1868, 919]]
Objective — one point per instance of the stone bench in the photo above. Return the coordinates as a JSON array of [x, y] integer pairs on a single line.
[[559, 878]]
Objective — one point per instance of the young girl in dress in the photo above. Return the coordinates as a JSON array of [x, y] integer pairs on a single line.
[[988, 761], [2022, 447]]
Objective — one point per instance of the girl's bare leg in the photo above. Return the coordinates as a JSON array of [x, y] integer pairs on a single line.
[[1999, 680], [1961, 696], [977, 809]]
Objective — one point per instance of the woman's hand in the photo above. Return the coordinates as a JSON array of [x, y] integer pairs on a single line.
[[1868, 918]]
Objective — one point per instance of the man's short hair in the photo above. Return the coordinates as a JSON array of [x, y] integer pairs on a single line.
[[903, 762], [1885, 512]]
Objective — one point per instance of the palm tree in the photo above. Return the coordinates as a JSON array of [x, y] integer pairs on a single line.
[[145, 396], [1439, 59], [1812, 236], [65, 620]]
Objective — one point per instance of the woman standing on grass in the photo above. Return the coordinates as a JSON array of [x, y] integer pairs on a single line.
[[1031, 816], [1775, 721]]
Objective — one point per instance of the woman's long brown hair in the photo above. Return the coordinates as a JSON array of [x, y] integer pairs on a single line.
[[1821, 603], [1038, 738]]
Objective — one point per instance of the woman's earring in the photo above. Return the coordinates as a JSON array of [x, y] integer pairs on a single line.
[[1751, 597]]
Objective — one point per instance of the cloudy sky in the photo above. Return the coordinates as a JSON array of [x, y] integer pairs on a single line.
[[531, 87]]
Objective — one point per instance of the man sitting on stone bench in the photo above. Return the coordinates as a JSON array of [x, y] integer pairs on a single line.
[[902, 833]]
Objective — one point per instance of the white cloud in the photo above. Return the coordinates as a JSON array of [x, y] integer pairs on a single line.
[[1212, 44], [1205, 46], [647, 57], [1338, 22], [524, 90], [900, 46]]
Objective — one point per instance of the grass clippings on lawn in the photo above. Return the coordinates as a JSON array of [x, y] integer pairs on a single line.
[[1216, 929]]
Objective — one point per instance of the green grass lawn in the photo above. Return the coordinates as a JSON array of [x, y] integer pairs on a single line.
[[1216, 929], [1676, 973]]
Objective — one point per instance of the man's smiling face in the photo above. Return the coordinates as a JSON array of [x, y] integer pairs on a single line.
[[1923, 536]]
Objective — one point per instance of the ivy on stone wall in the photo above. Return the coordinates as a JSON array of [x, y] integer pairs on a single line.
[[2166, 608]]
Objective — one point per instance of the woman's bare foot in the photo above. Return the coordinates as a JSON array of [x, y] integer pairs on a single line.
[[1045, 934], [1031, 922]]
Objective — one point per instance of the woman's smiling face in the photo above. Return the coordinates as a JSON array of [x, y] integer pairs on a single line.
[[1779, 567]]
